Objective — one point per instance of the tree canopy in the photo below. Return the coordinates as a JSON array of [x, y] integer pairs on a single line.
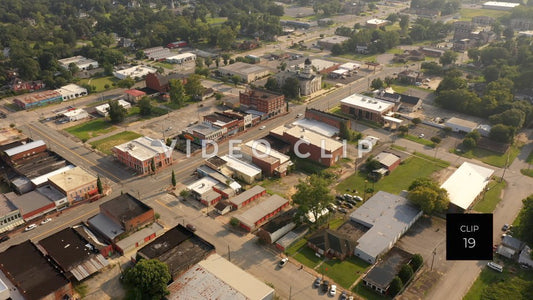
[[525, 227], [117, 113], [428, 196], [313, 195], [148, 279]]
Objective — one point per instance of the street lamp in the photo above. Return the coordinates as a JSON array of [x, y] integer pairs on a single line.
[[364, 196]]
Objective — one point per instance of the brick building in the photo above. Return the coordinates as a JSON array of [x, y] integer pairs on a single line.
[[134, 96], [218, 119], [247, 196], [128, 211], [75, 183], [363, 107], [160, 82], [139, 154], [271, 163], [37, 99], [326, 151], [328, 118], [263, 101], [25, 150], [259, 214]]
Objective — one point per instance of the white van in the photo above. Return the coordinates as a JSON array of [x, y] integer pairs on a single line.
[[495, 266]]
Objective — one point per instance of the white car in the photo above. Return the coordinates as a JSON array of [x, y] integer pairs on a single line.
[[30, 227], [333, 290], [283, 262], [262, 127], [421, 136], [46, 221]]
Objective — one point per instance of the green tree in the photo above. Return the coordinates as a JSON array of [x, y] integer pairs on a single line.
[[99, 185], [272, 84], [337, 49], [417, 261], [451, 83], [291, 88], [508, 33], [447, 130], [510, 117], [404, 23], [403, 129], [448, 58], [371, 165], [313, 195], [145, 106], [148, 279], [502, 133], [173, 179], [469, 143], [428, 196], [416, 121], [474, 134], [127, 82], [117, 113], [377, 83], [176, 92], [152, 165], [525, 227], [406, 272], [236, 79], [396, 286], [436, 140], [194, 87]]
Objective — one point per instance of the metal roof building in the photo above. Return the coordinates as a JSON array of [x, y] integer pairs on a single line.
[[388, 216], [268, 208], [466, 183], [24, 148], [217, 278]]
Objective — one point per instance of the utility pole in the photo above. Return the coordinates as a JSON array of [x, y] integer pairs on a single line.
[[290, 292], [506, 165], [229, 254], [433, 259]]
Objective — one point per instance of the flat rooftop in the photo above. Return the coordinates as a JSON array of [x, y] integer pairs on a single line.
[[501, 4], [28, 202], [140, 235], [51, 192], [179, 248], [315, 139], [386, 269], [44, 178], [387, 216], [24, 147], [217, 278], [73, 254], [10, 135], [105, 226], [32, 273], [336, 39], [316, 126], [265, 207], [72, 179], [367, 103], [241, 166], [203, 185], [239, 199], [461, 122], [466, 183], [259, 147], [203, 128], [125, 207], [244, 68], [145, 148]]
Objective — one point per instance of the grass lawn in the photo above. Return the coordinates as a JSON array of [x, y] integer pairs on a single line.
[[156, 112], [344, 272], [360, 57], [295, 247], [99, 83], [104, 145], [336, 223], [529, 158], [488, 277], [307, 257], [165, 65], [398, 180], [307, 166], [361, 290], [401, 148], [492, 158], [438, 161], [216, 20], [468, 13], [90, 129], [491, 198], [527, 172], [418, 140]]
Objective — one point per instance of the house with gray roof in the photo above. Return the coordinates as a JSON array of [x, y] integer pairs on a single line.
[[388, 217], [331, 243]]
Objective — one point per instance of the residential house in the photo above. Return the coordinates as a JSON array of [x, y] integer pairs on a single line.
[[388, 161], [134, 96], [331, 244], [381, 275]]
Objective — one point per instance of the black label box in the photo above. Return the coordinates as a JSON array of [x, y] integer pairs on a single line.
[[469, 237]]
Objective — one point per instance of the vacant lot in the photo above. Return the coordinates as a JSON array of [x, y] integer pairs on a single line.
[[90, 129], [106, 144], [100, 83], [398, 180], [492, 158], [344, 272], [491, 198], [468, 13]]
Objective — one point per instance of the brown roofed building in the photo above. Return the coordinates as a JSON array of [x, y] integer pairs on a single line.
[[75, 183], [32, 274], [128, 211], [160, 82], [37, 99], [263, 101], [332, 244]]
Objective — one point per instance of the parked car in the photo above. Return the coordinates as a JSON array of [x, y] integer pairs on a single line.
[[343, 296], [262, 127], [349, 205], [46, 221], [495, 266], [283, 262], [191, 227], [347, 197], [505, 227], [358, 198], [317, 282], [325, 286], [421, 135], [342, 210], [339, 202], [299, 115], [30, 227], [352, 201], [4, 238], [339, 197], [333, 290]]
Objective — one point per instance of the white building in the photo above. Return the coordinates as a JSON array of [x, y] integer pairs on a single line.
[[242, 170], [71, 91], [81, 62], [460, 125], [136, 72], [103, 109], [350, 66], [376, 23], [388, 217], [466, 184], [496, 5], [247, 72], [181, 58], [76, 114]]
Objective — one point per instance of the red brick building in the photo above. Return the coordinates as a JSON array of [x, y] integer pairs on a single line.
[[134, 96], [259, 214], [232, 125], [325, 117], [247, 196], [159, 82], [139, 154], [128, 211], [326, 151], [272, 104], [25, 150]]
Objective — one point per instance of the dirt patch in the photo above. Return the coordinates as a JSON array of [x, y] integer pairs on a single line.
[[421, 285], [521, 138], [352, 230], [442, 175]]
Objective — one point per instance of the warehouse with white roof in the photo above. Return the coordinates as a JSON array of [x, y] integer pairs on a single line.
[[368, 108], [466, 184], [388, 217]]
